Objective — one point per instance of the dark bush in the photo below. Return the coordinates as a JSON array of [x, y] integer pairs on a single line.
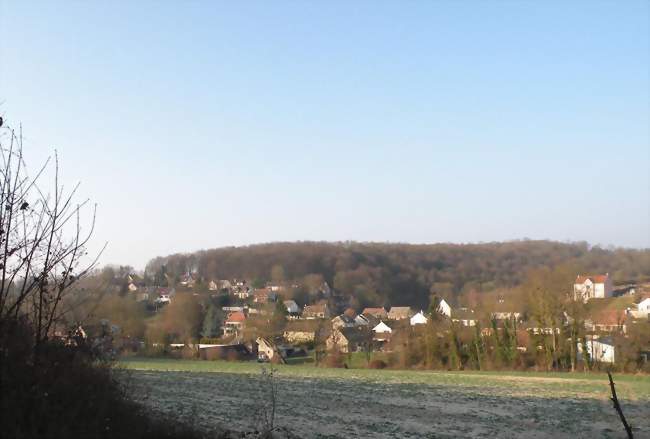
[[63, 391]]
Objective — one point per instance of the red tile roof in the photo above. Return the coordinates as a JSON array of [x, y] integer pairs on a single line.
[[597, 279], [236, 317], [612, 317]]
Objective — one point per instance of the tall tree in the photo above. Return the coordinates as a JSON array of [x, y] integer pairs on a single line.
[[212, 322]]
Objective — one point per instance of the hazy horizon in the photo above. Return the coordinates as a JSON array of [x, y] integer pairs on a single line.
[[216, 124]]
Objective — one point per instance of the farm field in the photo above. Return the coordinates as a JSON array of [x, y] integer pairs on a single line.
[[332, 403]]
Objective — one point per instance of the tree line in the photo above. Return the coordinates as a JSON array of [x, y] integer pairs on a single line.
[[376, 274]]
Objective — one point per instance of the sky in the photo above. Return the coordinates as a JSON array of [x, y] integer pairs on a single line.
[[196, 125]]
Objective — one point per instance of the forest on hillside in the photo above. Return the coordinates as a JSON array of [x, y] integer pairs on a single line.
[[381, 273]]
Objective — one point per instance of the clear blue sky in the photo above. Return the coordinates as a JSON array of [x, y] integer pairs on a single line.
[[203, 124]]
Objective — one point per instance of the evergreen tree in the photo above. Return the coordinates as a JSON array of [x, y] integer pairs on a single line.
[[211, 323]]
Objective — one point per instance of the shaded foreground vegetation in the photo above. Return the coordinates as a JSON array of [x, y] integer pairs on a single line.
[[68, 392], [53, 383]]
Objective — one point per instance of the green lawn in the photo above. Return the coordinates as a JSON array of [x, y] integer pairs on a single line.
[[530, 384]]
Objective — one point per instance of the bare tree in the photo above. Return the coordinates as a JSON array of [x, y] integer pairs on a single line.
[[42, 243]]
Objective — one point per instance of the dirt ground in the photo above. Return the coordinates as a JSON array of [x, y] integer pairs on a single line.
[[339, 408]]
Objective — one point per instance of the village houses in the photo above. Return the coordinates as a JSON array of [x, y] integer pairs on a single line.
[[374, 327]]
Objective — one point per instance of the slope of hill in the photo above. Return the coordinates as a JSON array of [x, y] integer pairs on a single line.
[[378, 273]]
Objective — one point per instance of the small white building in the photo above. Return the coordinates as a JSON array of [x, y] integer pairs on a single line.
[[292, 307], [600, 350], [419, 319], [643, 308], [266, 349], [593, 287], [444, 308]]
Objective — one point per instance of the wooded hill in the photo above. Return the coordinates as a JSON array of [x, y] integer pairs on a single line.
[[384, 274]]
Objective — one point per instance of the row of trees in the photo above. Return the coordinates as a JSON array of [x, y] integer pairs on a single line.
[[504, 345], [545, 302]]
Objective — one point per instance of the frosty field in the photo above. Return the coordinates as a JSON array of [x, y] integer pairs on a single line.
[[343, 403]]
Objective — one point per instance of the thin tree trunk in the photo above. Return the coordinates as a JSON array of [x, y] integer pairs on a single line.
[[618, 408]]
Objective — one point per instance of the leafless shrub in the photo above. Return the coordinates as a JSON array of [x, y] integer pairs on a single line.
[[266, 427], [42, 242]]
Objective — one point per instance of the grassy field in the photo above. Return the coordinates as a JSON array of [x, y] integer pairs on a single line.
[[321, 402]]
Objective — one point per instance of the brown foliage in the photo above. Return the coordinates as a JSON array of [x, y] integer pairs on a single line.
[[377, 364], [378, 274]]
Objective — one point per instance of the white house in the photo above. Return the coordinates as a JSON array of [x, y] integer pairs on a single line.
[[643, 308], [292, 307], [444, 308], [382, 331], [601, 350], [419, 319], [591, 287], [266, 349]]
